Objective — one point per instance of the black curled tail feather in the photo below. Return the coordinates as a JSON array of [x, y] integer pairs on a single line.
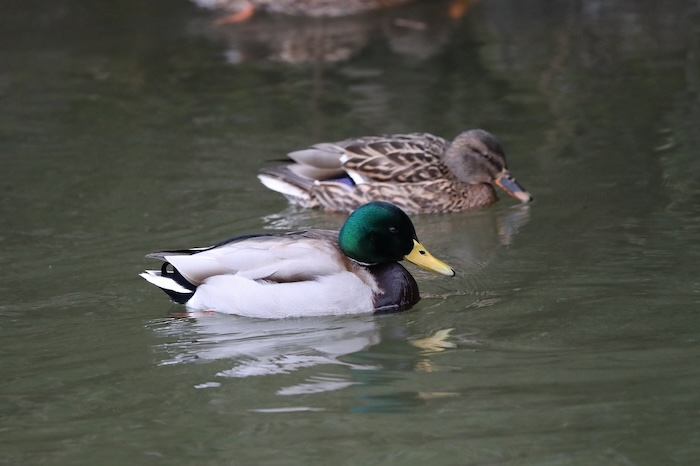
[[176, 276]]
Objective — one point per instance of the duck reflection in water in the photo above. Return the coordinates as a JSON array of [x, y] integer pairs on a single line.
[[419, 29], [257, 348]]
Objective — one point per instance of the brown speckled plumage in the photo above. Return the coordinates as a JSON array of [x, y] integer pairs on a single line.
[[419, 172]]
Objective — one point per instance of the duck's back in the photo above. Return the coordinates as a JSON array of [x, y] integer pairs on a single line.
[[289, 257], [396, 158]]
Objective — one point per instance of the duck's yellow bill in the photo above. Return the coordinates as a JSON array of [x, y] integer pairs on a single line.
[[422, 258], [507, 183]]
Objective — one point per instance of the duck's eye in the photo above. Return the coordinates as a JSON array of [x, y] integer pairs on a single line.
[[393, 230]]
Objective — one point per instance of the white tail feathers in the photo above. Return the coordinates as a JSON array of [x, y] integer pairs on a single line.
[[154, 277], [283, 187]]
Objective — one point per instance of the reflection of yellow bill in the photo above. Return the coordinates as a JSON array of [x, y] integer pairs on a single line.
[[434, 343], [436, 395], [422, 258]]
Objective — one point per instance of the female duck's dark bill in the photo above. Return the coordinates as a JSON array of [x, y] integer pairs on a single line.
[[507, 183], [422, 258]]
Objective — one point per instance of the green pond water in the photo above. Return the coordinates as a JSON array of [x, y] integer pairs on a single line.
[[570, 336]]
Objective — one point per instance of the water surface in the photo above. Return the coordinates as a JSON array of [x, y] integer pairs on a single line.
[[569, 336]]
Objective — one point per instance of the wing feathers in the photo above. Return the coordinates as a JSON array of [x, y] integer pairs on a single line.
[[287, 258], [324, 155]]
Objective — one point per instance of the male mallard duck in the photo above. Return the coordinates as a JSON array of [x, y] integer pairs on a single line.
[[420, 173], [242, 10], [303, 273]]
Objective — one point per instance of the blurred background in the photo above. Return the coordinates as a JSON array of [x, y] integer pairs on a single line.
[[570, 335]]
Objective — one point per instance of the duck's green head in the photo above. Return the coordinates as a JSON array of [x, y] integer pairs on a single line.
[[379, 232]]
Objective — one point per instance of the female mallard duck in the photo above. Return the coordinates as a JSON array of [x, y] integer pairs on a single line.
[[420, 173], [242, 10], [303, 273]]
